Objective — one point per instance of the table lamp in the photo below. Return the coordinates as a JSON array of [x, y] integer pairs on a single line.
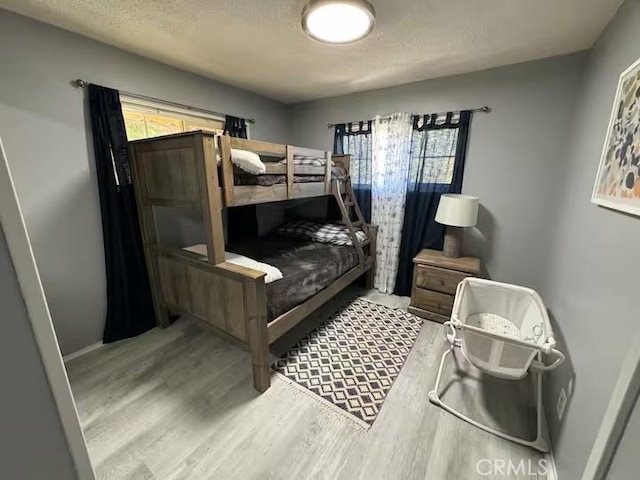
[[456, 211]]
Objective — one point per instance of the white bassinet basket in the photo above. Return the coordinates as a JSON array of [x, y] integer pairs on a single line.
[[502, 330]]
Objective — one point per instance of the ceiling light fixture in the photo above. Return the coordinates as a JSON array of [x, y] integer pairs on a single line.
[[338, 21]]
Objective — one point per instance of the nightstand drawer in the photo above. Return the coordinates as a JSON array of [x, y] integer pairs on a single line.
[[432, 301], [438, 279]]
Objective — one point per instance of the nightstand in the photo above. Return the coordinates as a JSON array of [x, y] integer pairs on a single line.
[[435, 279]]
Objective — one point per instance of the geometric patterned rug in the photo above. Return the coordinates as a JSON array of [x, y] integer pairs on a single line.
[[353, 358]]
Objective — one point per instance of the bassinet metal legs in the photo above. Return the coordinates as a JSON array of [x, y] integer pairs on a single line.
[[539, 443]]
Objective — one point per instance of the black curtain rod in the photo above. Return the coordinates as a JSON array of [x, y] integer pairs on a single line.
[[473, 110], [82, 83]]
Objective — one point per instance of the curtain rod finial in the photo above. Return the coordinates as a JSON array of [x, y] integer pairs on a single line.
[[80, 83]]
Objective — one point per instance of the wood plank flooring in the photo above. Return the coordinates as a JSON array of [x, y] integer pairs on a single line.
[[178, 403]]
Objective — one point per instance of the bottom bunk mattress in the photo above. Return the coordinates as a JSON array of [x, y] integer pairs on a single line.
[[307, 267]]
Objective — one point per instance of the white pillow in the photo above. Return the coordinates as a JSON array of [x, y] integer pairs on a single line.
[[248, 161], [272, 272]]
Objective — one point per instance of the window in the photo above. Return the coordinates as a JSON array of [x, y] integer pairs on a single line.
[[145, 119], [433, 149], [433, 155], [355, 139], [359, 147]]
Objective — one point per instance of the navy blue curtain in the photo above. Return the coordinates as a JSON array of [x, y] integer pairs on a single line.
[[355, 139], [129, 302], [235, 127], [438, 152]]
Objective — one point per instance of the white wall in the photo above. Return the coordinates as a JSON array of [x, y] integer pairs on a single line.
[[592, 279], [513, 151], [33, 442], [43, 126]]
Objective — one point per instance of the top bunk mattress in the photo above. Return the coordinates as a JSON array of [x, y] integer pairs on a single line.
[[267, 180], [307, 267]]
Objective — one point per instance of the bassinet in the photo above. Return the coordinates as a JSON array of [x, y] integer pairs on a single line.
[[502, 330]]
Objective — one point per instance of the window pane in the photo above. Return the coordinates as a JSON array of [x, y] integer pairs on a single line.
[[158, 125], [213, 126], [146, 121], [433, 156], [134, 125], [359, 147]]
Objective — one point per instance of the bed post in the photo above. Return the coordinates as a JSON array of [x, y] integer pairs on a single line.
[[342, 161], [290, 172], [371, 273], [327, 172], [255, 296], [211, 195], [227, 168]]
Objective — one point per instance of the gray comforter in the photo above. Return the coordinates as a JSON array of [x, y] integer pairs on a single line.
[[307, 267]]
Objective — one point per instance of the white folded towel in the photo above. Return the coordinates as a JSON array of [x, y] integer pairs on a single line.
[[272, 272]]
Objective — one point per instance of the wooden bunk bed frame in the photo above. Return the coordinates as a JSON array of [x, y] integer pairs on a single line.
[[236, 195], [181, 171]]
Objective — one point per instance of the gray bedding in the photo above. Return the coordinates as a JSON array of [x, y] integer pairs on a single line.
[[307, 267], [267, 180]]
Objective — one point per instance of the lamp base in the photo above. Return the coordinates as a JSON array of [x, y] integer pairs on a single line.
[[452, 241]]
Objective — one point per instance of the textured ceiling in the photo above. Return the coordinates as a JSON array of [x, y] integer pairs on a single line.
[[259, 44]]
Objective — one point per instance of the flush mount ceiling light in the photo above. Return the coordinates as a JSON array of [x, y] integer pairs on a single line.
[[338, 21]]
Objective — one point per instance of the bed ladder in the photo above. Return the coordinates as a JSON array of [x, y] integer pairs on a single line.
[[347, 201]]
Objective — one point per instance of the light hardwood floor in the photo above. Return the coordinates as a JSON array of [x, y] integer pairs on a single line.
[[179, 403]]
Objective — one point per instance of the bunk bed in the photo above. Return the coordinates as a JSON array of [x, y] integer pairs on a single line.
[[294, 180], [195, 170]]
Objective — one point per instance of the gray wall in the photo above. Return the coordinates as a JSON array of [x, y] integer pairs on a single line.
[[512, 157], [533, 162], [592, 280], [42, 124], [34, 446]]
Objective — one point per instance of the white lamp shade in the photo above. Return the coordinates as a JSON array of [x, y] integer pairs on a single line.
[[458, 210]]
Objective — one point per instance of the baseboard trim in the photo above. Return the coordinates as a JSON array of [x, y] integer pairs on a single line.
[[81, 352]]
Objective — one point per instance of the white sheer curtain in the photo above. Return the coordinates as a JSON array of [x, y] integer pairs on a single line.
[[390, 171]]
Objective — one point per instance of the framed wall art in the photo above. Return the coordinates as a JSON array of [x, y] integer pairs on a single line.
[[618, 181]]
